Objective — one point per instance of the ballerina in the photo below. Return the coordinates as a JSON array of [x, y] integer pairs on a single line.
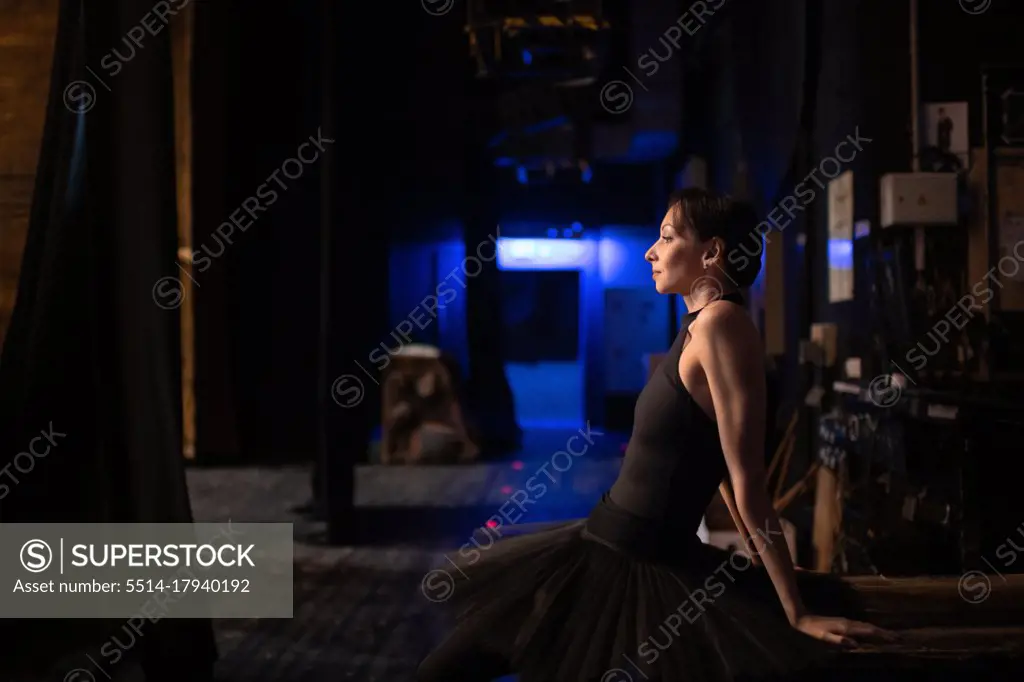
[[630, 592]]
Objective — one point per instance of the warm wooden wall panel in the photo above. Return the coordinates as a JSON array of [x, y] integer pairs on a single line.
[[27, 32]]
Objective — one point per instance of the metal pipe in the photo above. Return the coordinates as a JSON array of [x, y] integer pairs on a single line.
[[915, 130], [915, 106]]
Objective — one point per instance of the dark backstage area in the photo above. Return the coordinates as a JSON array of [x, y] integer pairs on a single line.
[[519, 341]]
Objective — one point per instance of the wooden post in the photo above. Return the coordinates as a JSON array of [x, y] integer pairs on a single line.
[[774, 297], [181, 33], [828, 517]]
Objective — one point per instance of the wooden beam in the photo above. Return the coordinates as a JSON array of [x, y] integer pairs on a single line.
[[971, 600], [181, 35]]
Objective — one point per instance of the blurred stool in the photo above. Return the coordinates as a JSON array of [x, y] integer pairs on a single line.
[[420, 414]]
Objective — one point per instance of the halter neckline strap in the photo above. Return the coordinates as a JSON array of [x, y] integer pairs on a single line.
[[733, 296]]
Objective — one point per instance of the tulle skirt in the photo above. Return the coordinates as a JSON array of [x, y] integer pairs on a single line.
[[616, 598]]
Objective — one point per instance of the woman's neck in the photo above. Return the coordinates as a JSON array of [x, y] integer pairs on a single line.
[[695, 302]]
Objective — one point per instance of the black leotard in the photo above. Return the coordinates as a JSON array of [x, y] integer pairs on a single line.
[[674, 460]]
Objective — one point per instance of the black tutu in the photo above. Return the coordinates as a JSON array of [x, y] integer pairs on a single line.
[[615, 598]]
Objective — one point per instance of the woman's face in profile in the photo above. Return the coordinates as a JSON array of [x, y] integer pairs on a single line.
[[676, 257]]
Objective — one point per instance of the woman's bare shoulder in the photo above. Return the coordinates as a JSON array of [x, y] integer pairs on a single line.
[[723, 320]]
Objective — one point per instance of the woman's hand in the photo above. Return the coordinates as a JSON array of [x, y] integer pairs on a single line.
[[841, 630]]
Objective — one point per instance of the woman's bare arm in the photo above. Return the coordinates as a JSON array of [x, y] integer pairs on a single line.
[[733, 361], [725, 490]]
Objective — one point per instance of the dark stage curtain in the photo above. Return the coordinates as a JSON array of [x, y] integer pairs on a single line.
[[355, 218], [90, 357], [769, 101], [216, 53], [490, 401]]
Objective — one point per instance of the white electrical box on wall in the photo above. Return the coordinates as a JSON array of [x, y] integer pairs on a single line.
[[918, 199]]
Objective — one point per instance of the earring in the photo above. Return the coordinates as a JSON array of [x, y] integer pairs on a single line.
[[705, 265]]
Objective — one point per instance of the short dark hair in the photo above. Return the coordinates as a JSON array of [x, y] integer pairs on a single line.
[[731, 220]]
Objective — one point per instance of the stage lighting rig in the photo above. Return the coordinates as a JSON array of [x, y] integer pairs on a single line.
[[545, 125], [544, 59], [544, 39]]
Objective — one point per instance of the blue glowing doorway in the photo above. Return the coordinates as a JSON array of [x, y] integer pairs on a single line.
[[541, 311]]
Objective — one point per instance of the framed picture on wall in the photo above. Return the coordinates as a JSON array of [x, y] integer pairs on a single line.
[[946, 130]]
